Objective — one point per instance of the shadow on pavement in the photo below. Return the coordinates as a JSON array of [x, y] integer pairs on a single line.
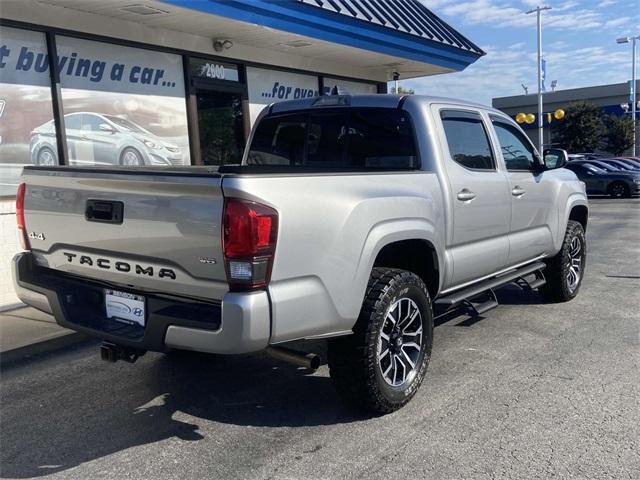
[[66, 416], [511, 294], [514, 295], [115, 407]]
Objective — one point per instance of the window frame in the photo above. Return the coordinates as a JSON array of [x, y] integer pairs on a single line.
[[459, 113], [503, 121]]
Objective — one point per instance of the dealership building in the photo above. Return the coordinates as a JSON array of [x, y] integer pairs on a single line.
[[179, 82], [613, 99]]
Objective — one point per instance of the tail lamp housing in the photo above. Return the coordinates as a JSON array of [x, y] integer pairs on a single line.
[[249, 234], [24, 237]]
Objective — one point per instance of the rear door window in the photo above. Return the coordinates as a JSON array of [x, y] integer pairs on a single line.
[[91, 123], [467, 140], [72, 122], [348, 139]]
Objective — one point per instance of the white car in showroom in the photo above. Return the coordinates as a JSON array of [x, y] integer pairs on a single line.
[[100, 139]]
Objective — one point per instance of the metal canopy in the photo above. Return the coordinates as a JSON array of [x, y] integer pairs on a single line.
[[404, 29], [407, 16]]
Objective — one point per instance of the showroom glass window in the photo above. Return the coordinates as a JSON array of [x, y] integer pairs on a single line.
[[122, 105], [27, 132], [349, 86], [467, 140]]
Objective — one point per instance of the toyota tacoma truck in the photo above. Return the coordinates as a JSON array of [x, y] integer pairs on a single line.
[[351, 219]]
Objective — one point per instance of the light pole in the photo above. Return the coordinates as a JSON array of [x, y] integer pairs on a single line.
[[538, 10], [632, 85]]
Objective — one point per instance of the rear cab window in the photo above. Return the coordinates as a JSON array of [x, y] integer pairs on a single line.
[[337, 139]]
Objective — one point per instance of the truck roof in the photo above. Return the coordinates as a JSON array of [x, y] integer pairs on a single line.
[[370, 100]]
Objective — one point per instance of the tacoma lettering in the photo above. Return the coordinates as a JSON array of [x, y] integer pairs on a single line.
[[120, 266]]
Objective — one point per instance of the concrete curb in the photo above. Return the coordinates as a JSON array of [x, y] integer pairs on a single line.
[[11, 306], [54, 342]]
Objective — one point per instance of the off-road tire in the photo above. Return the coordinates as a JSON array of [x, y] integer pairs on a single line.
[[557, 288], [353, 360]]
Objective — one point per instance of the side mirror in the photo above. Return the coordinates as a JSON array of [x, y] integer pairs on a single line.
[[555, 158], [105, 127]]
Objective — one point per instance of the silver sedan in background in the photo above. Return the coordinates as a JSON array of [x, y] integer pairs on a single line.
[[100, 139]]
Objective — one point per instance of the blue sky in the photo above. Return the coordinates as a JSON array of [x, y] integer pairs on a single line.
[[579, 45]]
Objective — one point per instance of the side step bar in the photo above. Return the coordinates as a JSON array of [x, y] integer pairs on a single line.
[[476, 289]]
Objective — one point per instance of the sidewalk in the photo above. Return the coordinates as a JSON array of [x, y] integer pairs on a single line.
[[26, 331]]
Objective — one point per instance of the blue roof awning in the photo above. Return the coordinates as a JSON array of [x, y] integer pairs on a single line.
[[407, 16], [401, 28]]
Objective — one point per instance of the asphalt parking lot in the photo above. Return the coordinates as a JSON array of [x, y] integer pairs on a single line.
[[530, 390]]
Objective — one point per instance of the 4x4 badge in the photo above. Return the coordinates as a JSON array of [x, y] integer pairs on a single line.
[[36, 236]]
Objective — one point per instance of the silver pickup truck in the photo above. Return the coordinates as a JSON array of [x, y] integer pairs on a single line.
[[354, 219]]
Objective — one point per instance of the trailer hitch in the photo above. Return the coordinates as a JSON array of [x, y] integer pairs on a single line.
[[110, 352]]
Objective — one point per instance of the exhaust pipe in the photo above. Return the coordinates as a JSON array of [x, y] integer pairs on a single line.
[[306, 360]]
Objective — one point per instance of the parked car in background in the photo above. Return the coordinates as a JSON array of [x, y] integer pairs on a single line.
[[604, 166], [593, 155], [630, 161], [621, 164], [100, 139], [600, 181]]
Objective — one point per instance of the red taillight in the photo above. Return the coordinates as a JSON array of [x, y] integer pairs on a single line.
[[249, 236], [24, 239]]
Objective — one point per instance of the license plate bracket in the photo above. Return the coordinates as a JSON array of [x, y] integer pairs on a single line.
[[125, 307]]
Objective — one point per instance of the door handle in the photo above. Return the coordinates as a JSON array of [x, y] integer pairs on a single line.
[[466, 195], [517, 191]]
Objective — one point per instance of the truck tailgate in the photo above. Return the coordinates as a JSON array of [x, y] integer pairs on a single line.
[[166, 239]]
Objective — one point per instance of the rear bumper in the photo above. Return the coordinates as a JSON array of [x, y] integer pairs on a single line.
[[241, 323]]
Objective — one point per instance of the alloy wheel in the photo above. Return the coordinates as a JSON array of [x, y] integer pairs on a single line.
[[131, 158], [45, 157], [618, 190], [574, 264], [400, 343]]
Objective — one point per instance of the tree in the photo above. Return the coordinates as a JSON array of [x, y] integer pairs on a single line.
[[619, 134], [581, 130], [403, 91]]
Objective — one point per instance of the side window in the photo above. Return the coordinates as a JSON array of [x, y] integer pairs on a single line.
[[517, 151], [72, 122], [575, 168], [279, 141], [91, 123], [467, 139]]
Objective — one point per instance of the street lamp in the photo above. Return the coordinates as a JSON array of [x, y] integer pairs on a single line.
[[632, 85], [538, 10]]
